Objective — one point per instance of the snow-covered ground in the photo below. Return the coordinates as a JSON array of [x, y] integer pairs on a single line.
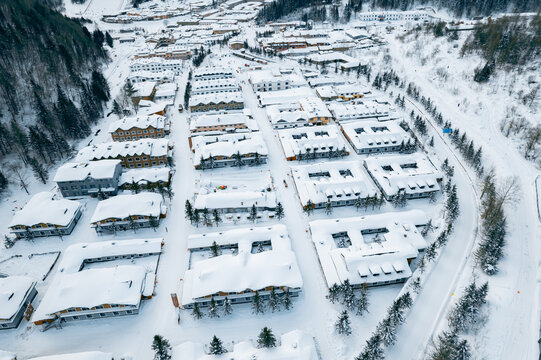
[[512, 327]]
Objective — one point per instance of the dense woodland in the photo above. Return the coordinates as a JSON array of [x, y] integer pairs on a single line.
[[51, 86], [462, 8]]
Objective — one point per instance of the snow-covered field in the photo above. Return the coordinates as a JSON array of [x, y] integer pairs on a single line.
[[512, 317]]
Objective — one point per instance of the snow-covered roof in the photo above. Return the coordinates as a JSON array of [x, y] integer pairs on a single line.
[[139, 122], [151, 147], [302, 140], [230, 119], [374, 134], [235, 273], [294, 345], [101, 169], [413, 173], [315, 107], [89, 355], [76, 254], [216, 98], [287, 96], [210, 71], [120, 285], [267, 76], [365, 257], [214, 85], [350, 89], [144, 175], [13, 291], [144, 88], [221, 199], [227, 145], [276, 116], [166, 90], [366, 109], [337, 180], [43, 209], [122, 206]]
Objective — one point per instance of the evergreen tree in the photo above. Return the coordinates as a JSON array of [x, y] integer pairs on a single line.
[[214, 250], [196, 217], [206, 217], [3, 182], [372, 349], [258, 307], [328, 206], [132, 224], [279, 211], [334, 293], [196, 312], [387, 331], [108, 39], [188, 210], [228, 309], [362, 303], [213, 309], [309, 207], [39, 171], [161, 348], [274, 301], [153, 222], [216, 216], [253, 214], [216, 347], [451, 206], [358, 203], [343, 325], [266, 338], [431, 252], [288, 304]]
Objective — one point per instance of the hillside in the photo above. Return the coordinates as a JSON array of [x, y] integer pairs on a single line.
[[51, 88]]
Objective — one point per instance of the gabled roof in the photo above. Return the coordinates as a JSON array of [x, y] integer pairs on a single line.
[[101, 169], [13, 291], [122, 206], [43, 209]]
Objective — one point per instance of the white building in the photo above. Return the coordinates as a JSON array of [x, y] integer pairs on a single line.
[[202, 87], [287, 116], [412, 174], [312, 142], [274, 80], [318, 113], [250, 259], [130, 211], [369, 137], [217, 124], [289, 96], [81, 291], [372, 250], [156, 65], [145, 177], [149, 76], [44, 216], [229, 150], [342, 183], [166, 92], [16, 295], [212, 73], [365, 110], [88, 178], [413, 15]]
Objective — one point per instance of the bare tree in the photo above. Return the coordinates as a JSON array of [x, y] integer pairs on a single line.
[[20, 174]]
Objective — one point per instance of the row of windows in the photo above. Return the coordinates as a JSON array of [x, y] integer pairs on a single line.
[[137, 137], [133, 132]]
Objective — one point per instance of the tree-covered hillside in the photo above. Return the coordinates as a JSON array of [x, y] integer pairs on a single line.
[[51, 86]]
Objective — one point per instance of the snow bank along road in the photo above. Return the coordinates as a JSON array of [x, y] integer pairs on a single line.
[[513, 326]]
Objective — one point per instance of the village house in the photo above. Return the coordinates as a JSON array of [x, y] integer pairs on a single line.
[[88, 178], [143, 91], [368, 137], [128, 212], [148, 178], [203, 87], [339, 183], [16, 295], [229, 150], [414, 175], [170, 52], [132, 154], [236, 44], [139, 127], [148, 76], [280, 43], [287, 116], [212, 73], [366, 110], [217, 124], [232, 202], [156, 65], [166, 93], [250, 259], [413, 15], [283, 97], [317, 111], [326, 93], [147, 108], [59, 219], [216, 102], [373, 249], [312, 143], [350, 91], [273, 80]]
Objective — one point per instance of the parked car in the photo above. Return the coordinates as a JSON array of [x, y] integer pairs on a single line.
[[180, 108]]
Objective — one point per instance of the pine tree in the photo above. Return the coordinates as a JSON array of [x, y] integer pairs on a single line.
[[387, 331], [309, 207], [132, 224], [343, 325], [196, 312], [39, 171], [196, 217], [214, 250], [153, 222], [253, 214], [258, 307], [358, 203], [348, 296], [279, 211], [288, 304], [451, 206], [213, 309], [108, 39], [462, 351], [266, 338], [228, 309], [161, 347], [274, 301], [3, 182], [216, 347], [188, 210], [362, 303], [372, 349], [216, 216], [206, 217], [328, 206], [334, 293]]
